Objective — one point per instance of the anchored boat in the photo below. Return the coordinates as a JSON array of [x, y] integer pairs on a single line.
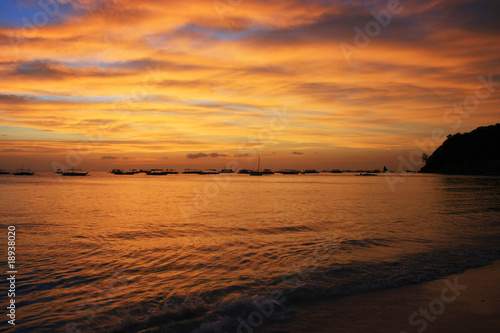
[[121, 172], [23, 172], [74, 172], [256, 173]]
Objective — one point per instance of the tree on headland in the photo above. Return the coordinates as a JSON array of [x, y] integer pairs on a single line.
[[477, 152]]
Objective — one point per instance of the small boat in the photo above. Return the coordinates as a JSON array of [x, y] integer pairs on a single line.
[[385, 169], [289, 172], [4, 172], [121, 172], [58, 171], [256, 173], [310, 171], [156, 172], [23, 172], [227, 170], [171, 172], [366, 174], [267, 172], [74, 172], [244, 171], [209, 172], [192, 172], [335, 171]]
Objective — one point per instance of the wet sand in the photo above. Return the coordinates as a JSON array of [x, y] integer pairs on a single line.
[[432, 307]]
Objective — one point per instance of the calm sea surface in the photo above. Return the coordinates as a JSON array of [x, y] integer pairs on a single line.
[[182, 253]]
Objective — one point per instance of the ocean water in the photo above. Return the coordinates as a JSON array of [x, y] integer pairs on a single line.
[[228, 253]]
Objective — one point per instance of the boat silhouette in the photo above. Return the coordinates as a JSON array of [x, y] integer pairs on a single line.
[[209, 172], [23, 172], [256, 173], [288, 172], [121, 172], [192, 172], [74, 173], [156, 172]]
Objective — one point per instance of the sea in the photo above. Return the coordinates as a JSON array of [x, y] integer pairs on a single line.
[[229, 252]]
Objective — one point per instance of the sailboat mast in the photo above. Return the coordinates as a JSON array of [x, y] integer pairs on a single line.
[[258, 165]]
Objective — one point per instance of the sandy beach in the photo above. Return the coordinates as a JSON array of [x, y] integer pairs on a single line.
[[468, 302]]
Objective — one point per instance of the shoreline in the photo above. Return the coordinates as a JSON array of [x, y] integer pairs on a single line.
[[465, 302]]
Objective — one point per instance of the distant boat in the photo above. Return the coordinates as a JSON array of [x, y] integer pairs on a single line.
[[335, 171], [4, 172], [311, 171], [121, 172], [192, 172], [366, 174], [23, 172], [256, 173], [288, 172], [156, 172], [267, 172], [74, 172], [244, 171], [227, 170], [385, 169], [209, 172], [58, 171]]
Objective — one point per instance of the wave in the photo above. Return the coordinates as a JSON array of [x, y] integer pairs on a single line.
[[181, 231], [366, 242], [243, 308]]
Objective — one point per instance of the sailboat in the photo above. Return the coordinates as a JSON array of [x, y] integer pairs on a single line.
[[385, 169], [256, 173], [23, 172]]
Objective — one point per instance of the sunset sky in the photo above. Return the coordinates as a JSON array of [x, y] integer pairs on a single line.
[[120, 83]]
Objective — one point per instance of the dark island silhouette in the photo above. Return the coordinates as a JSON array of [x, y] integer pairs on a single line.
[[473, 153]]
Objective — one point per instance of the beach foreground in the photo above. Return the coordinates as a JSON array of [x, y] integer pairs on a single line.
[[473, 309]]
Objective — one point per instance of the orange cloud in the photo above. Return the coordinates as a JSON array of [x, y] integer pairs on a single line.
[[184, 77]]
